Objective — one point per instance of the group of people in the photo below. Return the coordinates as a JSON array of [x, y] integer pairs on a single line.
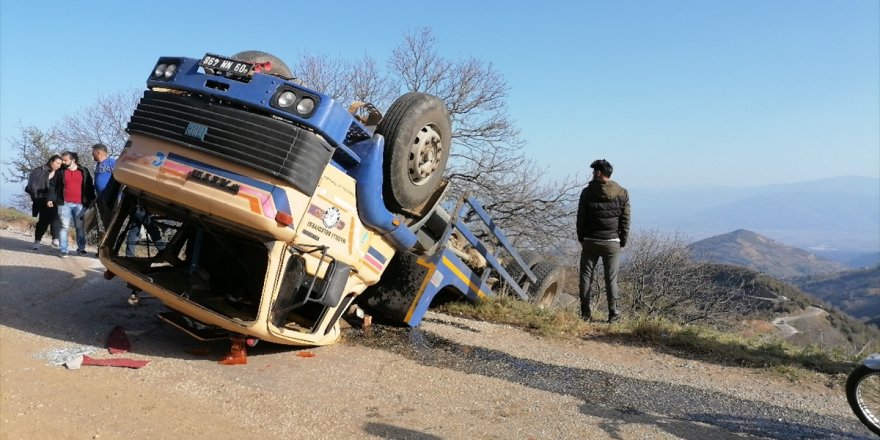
[[62, 191]]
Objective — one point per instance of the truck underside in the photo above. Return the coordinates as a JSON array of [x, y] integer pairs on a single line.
[[202, 260]]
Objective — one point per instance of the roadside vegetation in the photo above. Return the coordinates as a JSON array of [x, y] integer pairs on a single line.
[[694, 341], [693, 309], [13, 218]]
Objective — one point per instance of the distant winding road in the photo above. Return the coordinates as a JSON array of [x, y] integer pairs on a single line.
[[783, 323]]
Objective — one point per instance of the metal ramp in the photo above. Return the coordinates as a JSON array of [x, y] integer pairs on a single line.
[[413, 279]]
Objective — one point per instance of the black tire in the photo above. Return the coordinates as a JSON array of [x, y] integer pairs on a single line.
[[532, 258], [548, 285], [279, 68], [863, 395], [418, 136]]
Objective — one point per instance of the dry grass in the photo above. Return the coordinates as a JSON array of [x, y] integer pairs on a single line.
[[12, 218], [507, 310], [754, 350]]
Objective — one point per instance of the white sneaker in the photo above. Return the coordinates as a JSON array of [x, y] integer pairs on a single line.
[[55, 243]]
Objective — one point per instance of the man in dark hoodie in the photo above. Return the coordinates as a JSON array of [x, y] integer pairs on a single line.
[[602, 228], [72, 193]]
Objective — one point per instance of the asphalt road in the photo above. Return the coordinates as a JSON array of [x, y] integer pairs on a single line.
[[449, 379]]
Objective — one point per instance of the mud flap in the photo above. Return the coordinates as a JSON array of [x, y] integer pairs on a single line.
[[393, 296]]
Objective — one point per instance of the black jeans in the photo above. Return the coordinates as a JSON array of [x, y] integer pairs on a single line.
[[609, 252], [46, 217]]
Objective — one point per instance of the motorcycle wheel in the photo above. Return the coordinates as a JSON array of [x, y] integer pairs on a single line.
[[863, 395]]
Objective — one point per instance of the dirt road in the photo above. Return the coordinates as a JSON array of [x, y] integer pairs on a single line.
[[783, 323], [449, 379]]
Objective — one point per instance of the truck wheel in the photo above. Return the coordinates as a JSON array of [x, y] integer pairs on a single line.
[[418, 136], [531, 258], [550, 279], [279, 68]]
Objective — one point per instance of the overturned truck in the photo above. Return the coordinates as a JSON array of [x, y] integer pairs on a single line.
[[253, 206]]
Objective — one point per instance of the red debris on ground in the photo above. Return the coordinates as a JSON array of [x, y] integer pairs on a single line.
[[125, 363], [305, 354], [237, 353], [117, 341]]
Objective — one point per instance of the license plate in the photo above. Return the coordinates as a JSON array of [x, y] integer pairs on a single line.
[[226, 65]]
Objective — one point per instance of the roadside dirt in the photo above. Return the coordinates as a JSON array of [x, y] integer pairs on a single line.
[[449, 379]]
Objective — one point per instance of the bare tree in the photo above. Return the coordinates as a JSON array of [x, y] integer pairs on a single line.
[[487, 158], [104, 121], [346, 81], [661, 279], [31, 148]]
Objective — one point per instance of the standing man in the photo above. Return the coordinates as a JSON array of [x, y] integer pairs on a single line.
[[73, 193], [602, 228], [104, 165]]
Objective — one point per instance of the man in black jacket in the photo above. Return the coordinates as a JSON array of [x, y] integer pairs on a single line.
[[72, 193], [602, 228]]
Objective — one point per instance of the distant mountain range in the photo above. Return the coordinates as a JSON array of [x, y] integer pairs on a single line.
[[837, 218], [754, 251], [856, 292]]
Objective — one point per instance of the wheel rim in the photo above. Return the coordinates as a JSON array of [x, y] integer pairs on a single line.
[[868, 397], [425, 155], [546, 298]]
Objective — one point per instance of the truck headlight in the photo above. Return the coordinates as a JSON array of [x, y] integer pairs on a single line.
[[286, 99], [298, 102], [160, 70], [164, 71], [169, 71], [305, 105]]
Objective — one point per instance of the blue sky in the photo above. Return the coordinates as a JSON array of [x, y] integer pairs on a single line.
[[731, 93]]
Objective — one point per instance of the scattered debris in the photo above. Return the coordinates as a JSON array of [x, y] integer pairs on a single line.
[[305, 354], [79, 361], [61, 356], [237, 353], [74, 363], [117, 341], [119, 362]]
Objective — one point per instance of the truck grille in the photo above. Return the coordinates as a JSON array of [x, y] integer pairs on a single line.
[[277, 148]]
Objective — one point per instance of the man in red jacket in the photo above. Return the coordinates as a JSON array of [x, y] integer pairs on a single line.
[[602, 228], [73, 193]]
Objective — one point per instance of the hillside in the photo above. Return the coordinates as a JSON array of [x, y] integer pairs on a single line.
[[781, 299], [754, 251], [856, 292], [864, 261]]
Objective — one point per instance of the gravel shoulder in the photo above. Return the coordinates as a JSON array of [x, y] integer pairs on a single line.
[[451, 378]]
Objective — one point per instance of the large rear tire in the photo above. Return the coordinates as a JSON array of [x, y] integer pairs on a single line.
[[863, 395], [418, 137], [548, 285], [532, 258]]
